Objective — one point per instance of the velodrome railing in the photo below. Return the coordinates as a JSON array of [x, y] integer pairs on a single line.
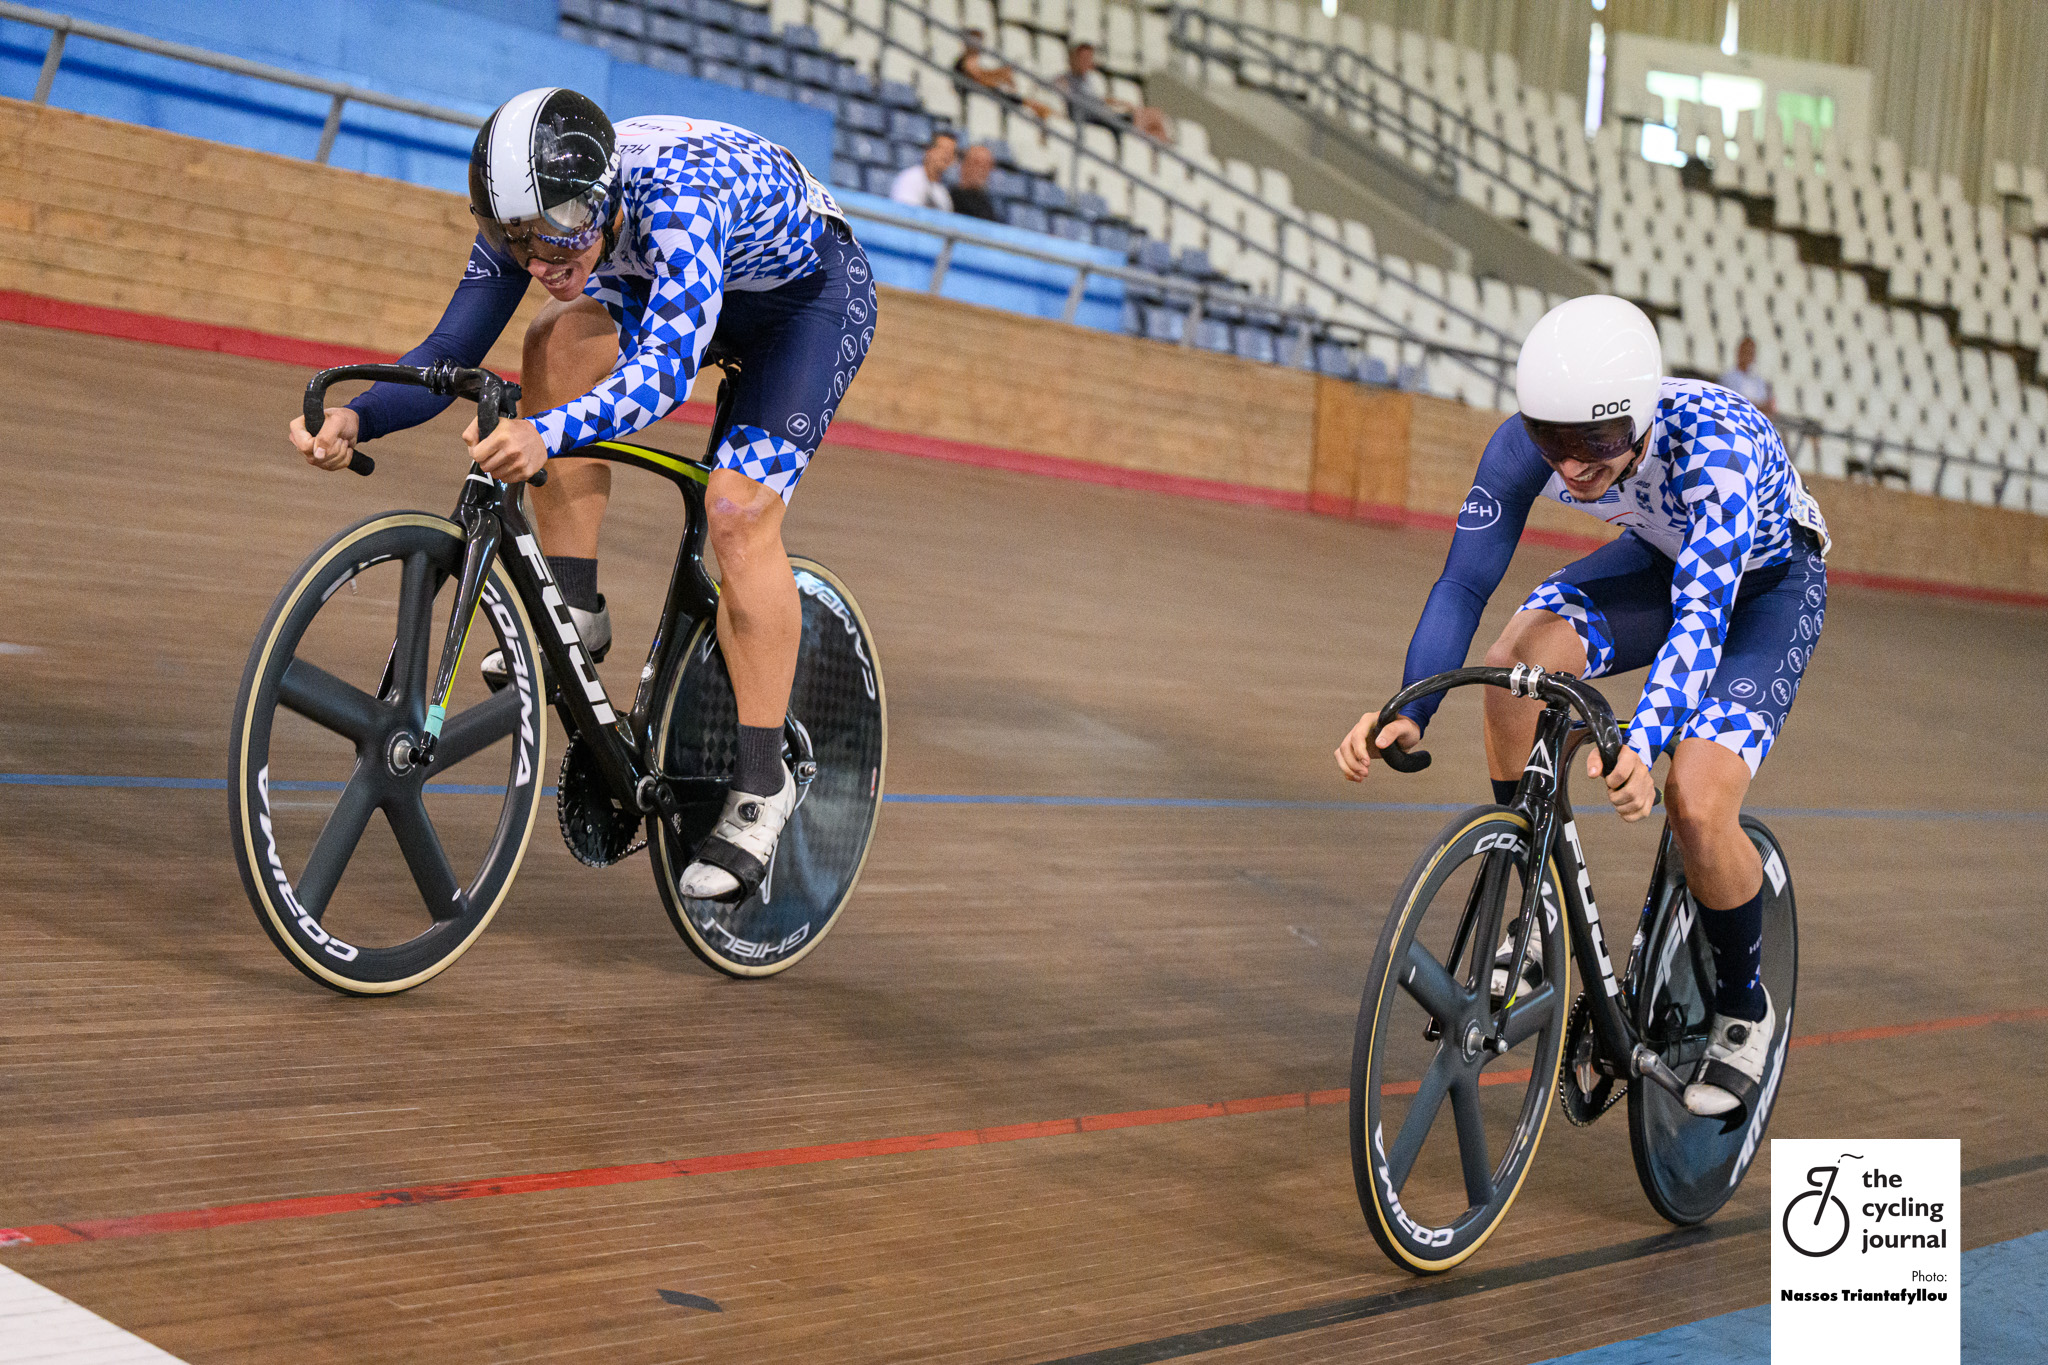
[[1323, 76], [1493, 367], [1879, 459], [64, 27]]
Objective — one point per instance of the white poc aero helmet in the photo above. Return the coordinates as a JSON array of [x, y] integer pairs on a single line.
[[1588, 379]]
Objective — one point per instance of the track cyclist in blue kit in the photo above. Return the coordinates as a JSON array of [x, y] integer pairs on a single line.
[[659, 243], [1717, 585]]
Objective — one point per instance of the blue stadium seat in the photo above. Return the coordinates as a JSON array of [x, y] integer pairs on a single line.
[[904, 153], [1067, 225], [802, 39], [899, 95], [1155, 255], [1165, 324], [753, 23], [582, 11], [1113, 236], [1009, 185], [766, 56], [1213, 334], [1026, 215], [854, 82], [1047, 194], [762, 83], [716, 13], [1194, 263], [1000, 150], [670, 60], [1253, 342], [1410, 377], [812, 69], [618, 46], [723, 72], [846, 171], [1373, 370], [1091, 206], [627, 19], [1333, 360], [823, 100], [713, 45], [875, 179], [676, 33], [864, 115], [906, 126]]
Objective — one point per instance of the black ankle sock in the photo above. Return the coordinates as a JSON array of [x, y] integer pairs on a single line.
[[577, 578], [1504, 790], [1738, 939], [758, 771]]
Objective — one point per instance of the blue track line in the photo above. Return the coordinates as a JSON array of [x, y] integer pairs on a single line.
[[217, 784]]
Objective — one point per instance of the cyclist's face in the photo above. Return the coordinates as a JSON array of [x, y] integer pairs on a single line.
[[561, 272], [1587, 480]]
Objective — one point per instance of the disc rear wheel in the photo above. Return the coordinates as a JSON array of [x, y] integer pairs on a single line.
[[838, 721]]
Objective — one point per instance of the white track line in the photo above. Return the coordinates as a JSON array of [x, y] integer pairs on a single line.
[[42, 1326]]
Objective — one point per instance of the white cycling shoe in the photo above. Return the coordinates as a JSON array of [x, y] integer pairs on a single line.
[[1733, 1069], [1532, 966], [594, 628], [733, 862]]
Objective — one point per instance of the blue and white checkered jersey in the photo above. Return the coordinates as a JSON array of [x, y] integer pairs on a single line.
[[1715, 493], [709, 208]]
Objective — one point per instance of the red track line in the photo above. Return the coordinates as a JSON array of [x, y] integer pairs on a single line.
[[37, 311], [314, 1206]]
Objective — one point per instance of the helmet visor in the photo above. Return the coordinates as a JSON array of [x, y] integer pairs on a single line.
[[570, 226], [1581, 442]]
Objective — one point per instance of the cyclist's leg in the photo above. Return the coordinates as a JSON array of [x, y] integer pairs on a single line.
[[570, 348], [799, 347], [1605, 613], [1771, 636]]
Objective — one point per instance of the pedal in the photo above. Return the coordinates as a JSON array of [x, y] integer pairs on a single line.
[[598, 828], [1584, 1091]]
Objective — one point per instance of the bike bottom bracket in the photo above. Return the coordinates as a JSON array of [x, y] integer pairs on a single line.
[[598, 829], [1584, 1090]]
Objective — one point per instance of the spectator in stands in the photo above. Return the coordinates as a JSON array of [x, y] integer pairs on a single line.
[[922, 183], [977, 64], [1746, 381], [970, 196], [1089, 100]]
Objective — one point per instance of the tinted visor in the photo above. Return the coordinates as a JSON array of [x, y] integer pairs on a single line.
[[1585, 442], [569, 226]]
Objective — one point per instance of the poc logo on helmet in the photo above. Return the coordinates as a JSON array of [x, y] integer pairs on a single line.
[[1610, 409]]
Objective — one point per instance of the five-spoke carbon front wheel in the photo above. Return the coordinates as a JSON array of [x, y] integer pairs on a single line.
[[327, 736], [1449, 1093]]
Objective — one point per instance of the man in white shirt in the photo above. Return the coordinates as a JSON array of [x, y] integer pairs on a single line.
[[1746, 381], [920, 183]]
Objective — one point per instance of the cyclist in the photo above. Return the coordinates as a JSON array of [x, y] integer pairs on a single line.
[[1717, 584], [658, 242]]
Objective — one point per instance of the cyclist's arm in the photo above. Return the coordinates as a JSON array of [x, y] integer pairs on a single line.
[[1720, 497], [687, 253], [490, 291], [1510, 476]]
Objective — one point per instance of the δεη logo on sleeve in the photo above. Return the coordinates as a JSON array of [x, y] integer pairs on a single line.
[[1480, 511]]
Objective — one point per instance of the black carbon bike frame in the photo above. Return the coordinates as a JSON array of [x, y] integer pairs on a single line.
[[1543, 800], [488, 511]]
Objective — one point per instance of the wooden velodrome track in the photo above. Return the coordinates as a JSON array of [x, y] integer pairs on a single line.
[[1003, 964]]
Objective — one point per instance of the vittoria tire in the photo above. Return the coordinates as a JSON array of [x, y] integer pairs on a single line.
[[330, 711], [1434, 1192], [839, 712]]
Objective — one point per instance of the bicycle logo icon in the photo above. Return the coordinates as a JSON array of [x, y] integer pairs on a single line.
[[1817, 1235]]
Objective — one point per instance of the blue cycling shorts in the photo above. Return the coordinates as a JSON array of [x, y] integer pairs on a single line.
[[1618, 599], [798, 347]]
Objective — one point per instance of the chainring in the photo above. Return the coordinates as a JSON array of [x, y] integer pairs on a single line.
[[597, 828], [1583, 1103]]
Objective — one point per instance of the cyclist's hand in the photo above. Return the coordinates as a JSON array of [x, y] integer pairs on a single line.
[[513, 452], [1355, 754], [333, 444], [1629, 786]]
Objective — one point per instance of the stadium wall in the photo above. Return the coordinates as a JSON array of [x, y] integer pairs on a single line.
[[135, 231]]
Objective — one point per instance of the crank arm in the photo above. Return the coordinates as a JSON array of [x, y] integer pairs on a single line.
[[1646, 1062]]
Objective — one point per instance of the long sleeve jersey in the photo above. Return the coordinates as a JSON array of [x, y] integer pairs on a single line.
[[709, 207], [1715, 493]]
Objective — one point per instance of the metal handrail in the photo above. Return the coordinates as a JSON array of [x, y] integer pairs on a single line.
[[1335, 73], [1203, 297], [63, 27], [1494, 369]]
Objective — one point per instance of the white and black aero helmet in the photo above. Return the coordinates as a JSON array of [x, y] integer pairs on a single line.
[[544, 169], [1588, 379]]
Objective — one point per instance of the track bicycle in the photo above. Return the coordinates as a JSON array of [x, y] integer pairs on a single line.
[[1430, 1028], [339, 705]]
